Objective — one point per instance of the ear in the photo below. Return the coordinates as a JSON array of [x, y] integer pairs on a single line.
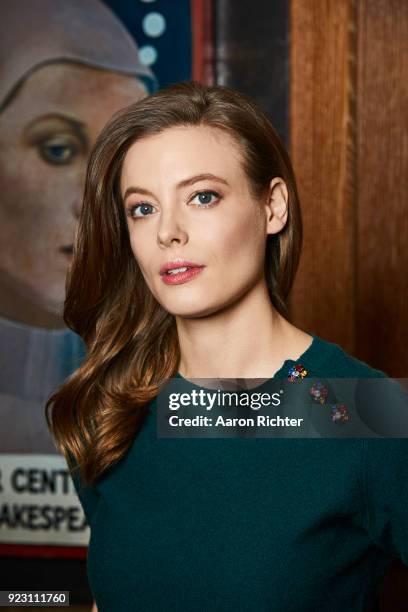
[[276, 206]]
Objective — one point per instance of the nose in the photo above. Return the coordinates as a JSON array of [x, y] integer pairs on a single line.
[[170, 231]]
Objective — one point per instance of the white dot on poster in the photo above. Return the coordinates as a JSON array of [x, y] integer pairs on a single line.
[[154, 24], [147, 55]]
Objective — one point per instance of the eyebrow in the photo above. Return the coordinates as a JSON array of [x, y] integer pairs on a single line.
[[184, 183], [75, 125]]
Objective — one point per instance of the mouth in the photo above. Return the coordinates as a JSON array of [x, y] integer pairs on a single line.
[[177, 272]]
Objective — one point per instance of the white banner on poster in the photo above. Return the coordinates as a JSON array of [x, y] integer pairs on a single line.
[[38, 502]]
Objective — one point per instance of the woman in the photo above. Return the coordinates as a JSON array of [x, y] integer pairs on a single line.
[[66, 66], [188, 243]]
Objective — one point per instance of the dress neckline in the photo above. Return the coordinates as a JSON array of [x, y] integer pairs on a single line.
[[310, 358]]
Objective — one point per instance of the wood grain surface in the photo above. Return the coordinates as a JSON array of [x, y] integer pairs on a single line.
[[323, 151], [382, 170], [349, 147]]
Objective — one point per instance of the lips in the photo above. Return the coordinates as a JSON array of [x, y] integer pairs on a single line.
[[178, 278], [178, 266], [179, 271]]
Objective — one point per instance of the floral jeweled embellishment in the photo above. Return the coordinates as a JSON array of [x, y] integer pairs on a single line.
[[297, 373], [319, 392], [339, 413]]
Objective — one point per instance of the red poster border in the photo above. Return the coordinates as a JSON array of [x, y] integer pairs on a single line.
[[43, 551], [202, 28]]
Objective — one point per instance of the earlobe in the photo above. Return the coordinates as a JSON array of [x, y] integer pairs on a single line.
[[277, 206]]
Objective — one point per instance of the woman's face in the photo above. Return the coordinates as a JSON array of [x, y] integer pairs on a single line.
[[188, 204], [46, 134]]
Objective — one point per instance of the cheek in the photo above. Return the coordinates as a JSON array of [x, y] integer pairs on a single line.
[[21, 213], [47, 192], [238, 239], [144, 251]]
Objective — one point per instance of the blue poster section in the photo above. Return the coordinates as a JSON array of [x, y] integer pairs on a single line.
[[162, 30]]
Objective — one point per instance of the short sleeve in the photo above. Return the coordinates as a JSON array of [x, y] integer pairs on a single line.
[[385, 477], [88, 495]]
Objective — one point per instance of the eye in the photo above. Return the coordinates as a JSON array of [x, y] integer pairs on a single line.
[[58, 151], [204, 198], [140, 210]]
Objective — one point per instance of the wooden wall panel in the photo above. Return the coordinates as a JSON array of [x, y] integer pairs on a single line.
[[349, 147], [322, 147], [382, 169]]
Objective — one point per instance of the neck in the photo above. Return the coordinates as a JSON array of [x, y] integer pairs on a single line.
[[248, 339]]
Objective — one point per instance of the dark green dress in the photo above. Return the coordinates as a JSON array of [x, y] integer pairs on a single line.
[[284, 525]]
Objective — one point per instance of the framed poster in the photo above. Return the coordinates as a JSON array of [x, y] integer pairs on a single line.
[[58, 58]]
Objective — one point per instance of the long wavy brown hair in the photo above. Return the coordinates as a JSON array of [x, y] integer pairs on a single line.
[[131, 341]]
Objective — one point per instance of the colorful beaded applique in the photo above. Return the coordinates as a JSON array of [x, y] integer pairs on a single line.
[[339, 413], [297, 373], [319, 392]]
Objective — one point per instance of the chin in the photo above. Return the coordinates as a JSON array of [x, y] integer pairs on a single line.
[[51, 300], [193, 311]]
